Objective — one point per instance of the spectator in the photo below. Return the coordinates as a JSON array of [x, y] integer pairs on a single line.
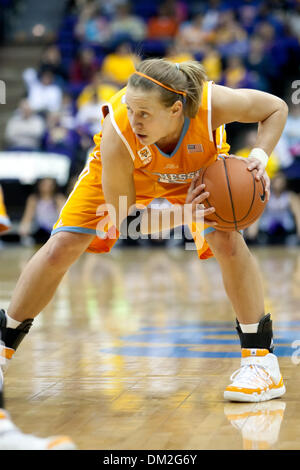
[[59, 139], [293, 18], [175, 53], [84, 67], [119, 65], [43, 94], [292, 130], [88, 123], [51, 60], [259, 63], [272, 15], [277, 50], [235, 74], [164, 25], [281, 217], [104, 88], [291, 141], [211, 15], [230, 38], [41, 212], [212, 63], [180, 9], [126, 26], [248, 12], [93, 26], [67, 111], [273, 164], [192, 37], [24, 129], [88, 118]]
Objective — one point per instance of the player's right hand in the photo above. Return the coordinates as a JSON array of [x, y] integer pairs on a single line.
[[195, 197]]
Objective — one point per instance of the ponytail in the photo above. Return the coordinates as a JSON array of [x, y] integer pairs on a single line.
[[196, 76]]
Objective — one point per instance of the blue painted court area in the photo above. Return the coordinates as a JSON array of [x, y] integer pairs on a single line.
[[181, 341]]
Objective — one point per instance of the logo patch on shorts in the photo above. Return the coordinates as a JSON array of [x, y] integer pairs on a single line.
[[145, 155]]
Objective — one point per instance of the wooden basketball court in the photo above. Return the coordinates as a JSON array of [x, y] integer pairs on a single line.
[[136, 348]]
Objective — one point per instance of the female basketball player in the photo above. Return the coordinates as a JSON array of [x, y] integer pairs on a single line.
[[157, 133]]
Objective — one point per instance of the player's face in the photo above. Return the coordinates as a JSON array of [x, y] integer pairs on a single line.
[[150, 120]]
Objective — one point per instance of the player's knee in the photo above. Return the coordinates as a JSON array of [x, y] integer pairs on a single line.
[[224, 243], [62, 249]]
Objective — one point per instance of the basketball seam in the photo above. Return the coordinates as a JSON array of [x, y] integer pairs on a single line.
[[209, 204], [251, 204], [230, 195]]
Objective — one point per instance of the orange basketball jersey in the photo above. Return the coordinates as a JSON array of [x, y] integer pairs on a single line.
[[156, 174]]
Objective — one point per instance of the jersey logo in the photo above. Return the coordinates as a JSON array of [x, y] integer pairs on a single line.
[[178, 178], [194, 148], [145, 155]]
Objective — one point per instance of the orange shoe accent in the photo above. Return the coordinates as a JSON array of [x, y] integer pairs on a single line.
[[7, 353], [58, 441], [2, 415], [254, 352], [249, 391]]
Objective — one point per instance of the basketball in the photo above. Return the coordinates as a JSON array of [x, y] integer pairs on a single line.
[[238, 198]]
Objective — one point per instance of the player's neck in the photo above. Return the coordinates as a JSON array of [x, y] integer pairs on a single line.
[[167, 144]]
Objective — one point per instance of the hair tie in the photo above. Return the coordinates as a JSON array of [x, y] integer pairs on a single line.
[[177, 66]]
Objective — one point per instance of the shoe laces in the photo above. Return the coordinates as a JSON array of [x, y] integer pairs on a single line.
[[253, 373]]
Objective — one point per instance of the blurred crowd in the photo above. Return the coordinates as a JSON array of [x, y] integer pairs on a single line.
[[253, 44]]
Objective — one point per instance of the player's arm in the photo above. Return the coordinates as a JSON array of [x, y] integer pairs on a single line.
[[250, 106], [117, 175], [117, 180]]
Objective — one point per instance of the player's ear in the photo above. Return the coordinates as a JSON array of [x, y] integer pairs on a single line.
[[176, 108]]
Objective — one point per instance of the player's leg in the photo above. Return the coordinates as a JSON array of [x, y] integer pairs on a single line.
[[43, 273], [241, 276], [76, 230], [259, 377], [37, 285]]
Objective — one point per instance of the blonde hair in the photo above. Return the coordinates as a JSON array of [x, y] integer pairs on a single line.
[[186, 77]]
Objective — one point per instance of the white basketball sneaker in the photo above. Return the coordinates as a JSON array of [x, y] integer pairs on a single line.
[[258, 378], [11, 438]]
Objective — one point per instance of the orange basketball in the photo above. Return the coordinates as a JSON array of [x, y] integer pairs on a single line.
[[238, 198]]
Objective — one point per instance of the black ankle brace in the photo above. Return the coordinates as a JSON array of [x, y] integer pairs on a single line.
[[1, 399], [263, 339], [12, 337]]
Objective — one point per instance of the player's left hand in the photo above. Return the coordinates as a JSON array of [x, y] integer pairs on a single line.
[[255, 164]]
